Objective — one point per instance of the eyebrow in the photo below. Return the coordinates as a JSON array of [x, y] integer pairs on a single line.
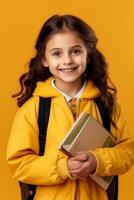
[[75, 46]]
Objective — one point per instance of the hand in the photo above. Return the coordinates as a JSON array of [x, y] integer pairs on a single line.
[[82, 164]]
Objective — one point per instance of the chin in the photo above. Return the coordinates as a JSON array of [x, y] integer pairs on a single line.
[[70, 80]]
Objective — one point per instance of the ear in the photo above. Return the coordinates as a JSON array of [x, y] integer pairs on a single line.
[[44, 62]]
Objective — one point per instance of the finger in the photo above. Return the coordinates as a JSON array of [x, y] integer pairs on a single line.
[[84, 168], [80, 174], [80, 177], [73, 165], [81, 157], [76, 166], [75, 171], [85, 174], [78, 158]]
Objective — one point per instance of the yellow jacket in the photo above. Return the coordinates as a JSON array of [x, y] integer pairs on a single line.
[[50, 172]]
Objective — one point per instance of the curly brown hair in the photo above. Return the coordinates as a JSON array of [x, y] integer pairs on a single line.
[[96, 69]]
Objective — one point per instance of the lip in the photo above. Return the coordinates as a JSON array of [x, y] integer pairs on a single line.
[[68, 69]]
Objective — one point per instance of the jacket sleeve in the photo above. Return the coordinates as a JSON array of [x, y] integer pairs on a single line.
[[23, 148], [118, 159]]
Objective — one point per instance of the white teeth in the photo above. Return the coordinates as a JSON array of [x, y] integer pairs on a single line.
[[68, 70]]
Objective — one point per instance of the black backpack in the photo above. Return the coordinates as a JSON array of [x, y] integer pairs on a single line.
[[27, 190]]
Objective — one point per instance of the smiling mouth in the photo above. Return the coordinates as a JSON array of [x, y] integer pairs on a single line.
[[68, 69]]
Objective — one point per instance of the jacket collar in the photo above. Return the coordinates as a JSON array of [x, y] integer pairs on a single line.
[[45, 89]]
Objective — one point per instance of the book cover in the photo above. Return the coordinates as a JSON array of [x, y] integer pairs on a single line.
[[87, 134]]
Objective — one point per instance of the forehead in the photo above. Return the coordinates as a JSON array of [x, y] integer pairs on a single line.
[[64, 39]]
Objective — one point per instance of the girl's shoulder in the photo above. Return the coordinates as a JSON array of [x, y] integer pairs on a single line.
[[30, 107], [26, 116], [117, 108], [118, 112]]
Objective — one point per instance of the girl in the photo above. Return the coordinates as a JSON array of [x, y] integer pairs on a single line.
[[67, 66]]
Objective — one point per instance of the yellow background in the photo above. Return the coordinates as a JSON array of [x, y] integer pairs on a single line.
[[20, 22]]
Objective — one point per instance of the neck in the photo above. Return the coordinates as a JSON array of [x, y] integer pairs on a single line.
[[70, 89]]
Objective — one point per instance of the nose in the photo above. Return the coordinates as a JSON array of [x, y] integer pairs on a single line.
[[67, 59]]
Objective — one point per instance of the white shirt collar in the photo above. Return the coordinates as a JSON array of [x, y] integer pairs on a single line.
[[68, 98]]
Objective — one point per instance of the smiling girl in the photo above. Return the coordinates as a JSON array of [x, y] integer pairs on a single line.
[[67, 66]]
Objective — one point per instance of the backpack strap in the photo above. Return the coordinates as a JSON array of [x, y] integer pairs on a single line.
[[112, 190], [103, 112], [43, 117]]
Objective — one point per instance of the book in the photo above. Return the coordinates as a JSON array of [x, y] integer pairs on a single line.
[[87, 134]]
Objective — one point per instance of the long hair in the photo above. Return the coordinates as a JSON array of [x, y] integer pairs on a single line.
[[96, 69]]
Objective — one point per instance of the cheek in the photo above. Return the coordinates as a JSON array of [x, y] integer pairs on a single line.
[[81, 60], [52, 62]]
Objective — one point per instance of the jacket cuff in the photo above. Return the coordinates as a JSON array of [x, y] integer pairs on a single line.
[[103, 162], [62, 169]]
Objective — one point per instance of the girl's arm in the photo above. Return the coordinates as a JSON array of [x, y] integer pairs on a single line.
[[23, 149], [119, 159]]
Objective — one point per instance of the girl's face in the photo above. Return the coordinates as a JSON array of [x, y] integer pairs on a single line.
[[66, 56]]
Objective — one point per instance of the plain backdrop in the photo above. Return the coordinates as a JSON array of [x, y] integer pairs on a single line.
[[20, 22]]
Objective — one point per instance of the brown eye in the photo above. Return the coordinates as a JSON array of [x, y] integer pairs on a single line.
[[76, 51], [56, 53]]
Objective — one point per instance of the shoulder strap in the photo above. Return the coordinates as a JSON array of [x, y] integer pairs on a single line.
[[112, 190], [43, 117], [103, 113]]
